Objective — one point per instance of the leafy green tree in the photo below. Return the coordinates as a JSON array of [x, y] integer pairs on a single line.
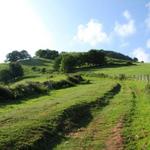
[[95, 57], [48, 54], [16, 70], [24, 55], [135, 59], [57, 62], [13, 56], [5, 76], [16, 55], [68, 63]]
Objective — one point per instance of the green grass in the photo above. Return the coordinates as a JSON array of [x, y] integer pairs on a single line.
[[36, 76], [137, 124], [23, 123], [137, 69], [95, 135]]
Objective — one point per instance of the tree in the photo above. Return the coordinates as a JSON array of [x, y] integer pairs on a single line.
[[95, 57], [5, 76], [24, 55], [56, 65], [135, 59], [16, 55], [16, 70], [68, 63], [48, 54], [13, 56]]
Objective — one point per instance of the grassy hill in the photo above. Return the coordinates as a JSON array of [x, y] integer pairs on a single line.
[[105, 113]]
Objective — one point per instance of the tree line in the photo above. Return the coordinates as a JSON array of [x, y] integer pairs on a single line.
[[68, 62], [65, 61]]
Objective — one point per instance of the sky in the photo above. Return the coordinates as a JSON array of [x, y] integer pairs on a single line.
[[76, 25]]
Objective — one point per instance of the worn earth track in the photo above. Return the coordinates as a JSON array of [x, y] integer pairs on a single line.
[[93, 131], [116, 139]]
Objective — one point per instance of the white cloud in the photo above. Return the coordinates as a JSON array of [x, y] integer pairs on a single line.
[[147, 20], [127, 15], [91, 33], [148, 43], [141, 54], [21, 28], [126, 29]]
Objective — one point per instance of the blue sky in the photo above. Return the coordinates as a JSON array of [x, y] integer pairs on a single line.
[[75, 25]]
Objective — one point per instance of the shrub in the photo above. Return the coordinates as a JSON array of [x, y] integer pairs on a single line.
[[34, 68], [5, 93], [58, 84], [122, 77], [147, 88], [68, 63], [16, 70], [75, 78], [43, 70], [5, 76], [129, 63], [29, 89], [57, 62]]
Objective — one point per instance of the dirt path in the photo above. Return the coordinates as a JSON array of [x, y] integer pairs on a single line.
[[115, 140]]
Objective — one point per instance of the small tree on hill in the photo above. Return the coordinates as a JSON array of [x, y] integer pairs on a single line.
[[5, 76], [95, 57], [16, 70], [57, 62], [68, 63], [135, 59], [16, 55], [48, 54]]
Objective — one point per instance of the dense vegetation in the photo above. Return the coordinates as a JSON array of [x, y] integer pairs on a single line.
[[16, 55], [48, 54], [13, 72]]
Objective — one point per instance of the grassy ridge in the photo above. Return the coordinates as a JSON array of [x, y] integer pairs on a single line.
[[128, 70], [23, 124], [96, 134]]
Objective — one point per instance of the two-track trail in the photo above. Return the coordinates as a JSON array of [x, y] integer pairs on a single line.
[[105, 129]]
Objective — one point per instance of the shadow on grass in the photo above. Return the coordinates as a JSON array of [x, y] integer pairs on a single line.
[[4, 103]]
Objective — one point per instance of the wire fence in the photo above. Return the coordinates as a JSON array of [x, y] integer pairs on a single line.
[[140, 77]]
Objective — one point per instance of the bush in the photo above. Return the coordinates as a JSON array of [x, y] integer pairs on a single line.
[[75, 78], [57, 62], [31, 88], [16, 70], [5, 93], [43, 70], [58, 84], [147, 88], [34, 68], [5, 76], [122, 77], [68, 63], [129, 63]]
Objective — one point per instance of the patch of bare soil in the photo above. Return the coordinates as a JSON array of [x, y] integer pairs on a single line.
[[115, 140]]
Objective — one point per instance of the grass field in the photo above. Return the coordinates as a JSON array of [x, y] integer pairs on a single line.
[[137, 69], [19, 121], [106, 114]]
